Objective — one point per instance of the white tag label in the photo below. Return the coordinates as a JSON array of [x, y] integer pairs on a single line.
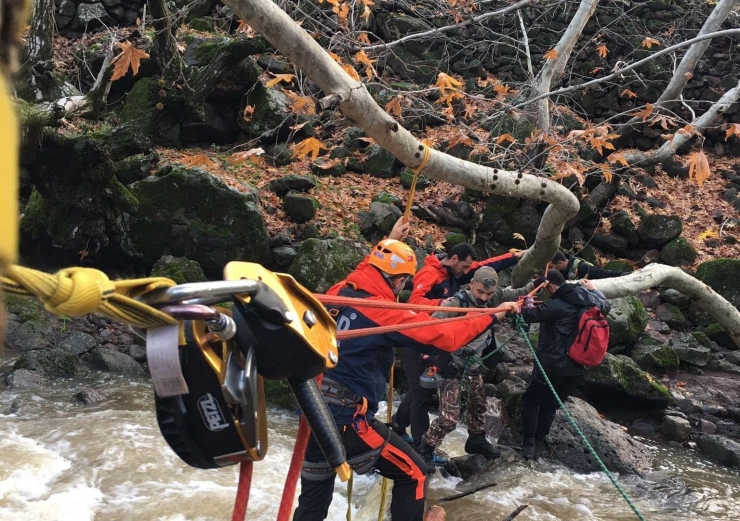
[[163, 358]]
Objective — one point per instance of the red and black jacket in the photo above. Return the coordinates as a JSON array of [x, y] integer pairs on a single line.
[[434, 282], [364, 363]]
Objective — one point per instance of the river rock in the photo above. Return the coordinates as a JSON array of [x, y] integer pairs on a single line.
[[627, 321], [384, 215], [29, 326], [654, 356], [689, 351], [90, 396], [707, 426], [284, 255], [322, 167], [678, 252], [137, 352], [320, 264], [675, 428], [299, 183], [675, 297], [78, 342], [190, 213], [733, 358], [178, 269], [380, 163], [719, 449], [722, 366], [114, 362], [467, 466], [300, 207], [619, 451], [619, 377], [89, 16], [610, 243], [728, 428], [272, 113], [717, 333], [658, 230], [623, 226], [26, 379], [671, 315], [723, 276], [55, 363]]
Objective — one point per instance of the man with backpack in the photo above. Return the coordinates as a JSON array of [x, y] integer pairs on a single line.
[[572, 330], [467, 366], [575, 268]]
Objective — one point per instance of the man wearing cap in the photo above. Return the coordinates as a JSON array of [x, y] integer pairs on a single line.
[[466, 363]]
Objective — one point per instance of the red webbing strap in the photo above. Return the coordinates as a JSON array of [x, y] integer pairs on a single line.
[[334, 300], [296, 463], [242, 491]]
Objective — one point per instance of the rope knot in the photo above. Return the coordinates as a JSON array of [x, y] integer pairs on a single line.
[[77, 291]]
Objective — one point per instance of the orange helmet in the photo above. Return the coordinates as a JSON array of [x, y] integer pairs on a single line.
[[393, 258]]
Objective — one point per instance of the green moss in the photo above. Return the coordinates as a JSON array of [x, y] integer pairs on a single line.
[[723, 276], [321, 263], [279, 393], [718, 334], [55, 363], [25, 308], [702, 338], [138, 105], [385, 197], [619, 265], [178, 269]]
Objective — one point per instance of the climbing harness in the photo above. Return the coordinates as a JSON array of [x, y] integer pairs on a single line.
[[520, 326]]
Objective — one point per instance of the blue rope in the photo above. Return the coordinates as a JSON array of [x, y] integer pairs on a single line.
[[520, 323]]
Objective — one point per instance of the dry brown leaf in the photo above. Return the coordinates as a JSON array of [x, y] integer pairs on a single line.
[[552, 54], [732, 130], [198, 160], [628, 93], [287, 78], [393, 107], [602, 50], [309, 146], [698, 167], [252, 155], [131, 57], [649, 42], [646, 112], [505, 137]]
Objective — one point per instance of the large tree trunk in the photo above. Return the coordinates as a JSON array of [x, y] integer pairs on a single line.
[[360, 108], [685, 69], [654, 275], [554, 69], [699, 125], [37, 81]]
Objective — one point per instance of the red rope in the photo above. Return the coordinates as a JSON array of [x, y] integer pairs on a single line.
[[296, 462], [334, 300], [242, 491]]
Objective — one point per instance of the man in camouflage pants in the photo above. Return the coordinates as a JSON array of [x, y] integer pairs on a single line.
[[465, 363]]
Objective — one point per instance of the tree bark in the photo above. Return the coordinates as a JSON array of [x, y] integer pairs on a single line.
[[685, 68], [654, 275], [165, 45], [36, 77], [699, 125], [360, 108], [553, 69]]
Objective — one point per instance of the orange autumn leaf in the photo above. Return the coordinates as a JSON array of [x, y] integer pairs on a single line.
[[363, 58], [732, 130], [393, 107], [287, 78], [646, 112], [552, 54], [595, 70], [446, 82], [252, 155], [363, 38], [309, 146], [198, 160], [505, 137], [698, 167], [248, 111], [617, 158], [649, 42], [459, 139], [606, 170], [130, 57], [351, 71], [628, 93], [602, 50]]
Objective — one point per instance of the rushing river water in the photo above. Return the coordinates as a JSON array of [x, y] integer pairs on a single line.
[[62, 461]]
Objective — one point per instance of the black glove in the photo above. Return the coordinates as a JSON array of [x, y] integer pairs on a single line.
[[538, 281]]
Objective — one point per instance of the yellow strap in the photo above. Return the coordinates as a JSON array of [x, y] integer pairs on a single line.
[[416, 171], [8, 177], [389, 419], [349, 496], [79, 291]]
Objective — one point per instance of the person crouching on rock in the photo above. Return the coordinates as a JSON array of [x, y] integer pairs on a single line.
[[558, 320], [355, 386], [469, 363]]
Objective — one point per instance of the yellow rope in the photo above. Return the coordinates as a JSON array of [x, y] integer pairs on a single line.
[[389, 418], [416, 171], [79, 291], [350, 481]]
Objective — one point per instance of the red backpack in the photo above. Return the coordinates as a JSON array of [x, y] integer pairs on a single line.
[[592, 338]]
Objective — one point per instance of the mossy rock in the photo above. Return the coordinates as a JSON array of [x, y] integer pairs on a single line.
[[26, 308], [114, 362], [678, 252], [138, 106], [654, 356], [278, 392], [189, 213], [54, 363], [178, 269], [299, 207], [671, 315], [380, 163], [627, 321], [620, 376], [702, 338], [723, 276], [717, 333], [407, 179], [658, 230], [452, 239], [622, 225], [619, 265], [388, 198], [320, 264]]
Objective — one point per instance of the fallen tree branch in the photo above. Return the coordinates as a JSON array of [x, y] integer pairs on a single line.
[[654, 275], [516, 512], [416, 36], [361, 109], [468, 492]]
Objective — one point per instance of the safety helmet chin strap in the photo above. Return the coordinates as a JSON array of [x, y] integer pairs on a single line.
[[389, 280]]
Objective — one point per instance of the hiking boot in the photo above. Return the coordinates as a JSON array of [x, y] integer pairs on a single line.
[[478, 444], [529, 448], [401, 431], [430, 456]]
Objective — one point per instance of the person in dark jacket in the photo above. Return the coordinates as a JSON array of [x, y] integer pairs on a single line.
[[575, 268], [354, 387], [558, 320], [440, 278]]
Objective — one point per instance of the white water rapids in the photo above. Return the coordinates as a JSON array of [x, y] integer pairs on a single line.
[[62, 461]]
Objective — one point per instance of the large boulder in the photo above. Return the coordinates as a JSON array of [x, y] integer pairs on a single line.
[[622, 225], [717, 333], [723, 276], [299, 207], [380, 163], [671, 315], [320, 264], [678, 252], [29, 326], [620, 378], [55, 363], [26, 379], [719, 449], [654, 356], [190, 213], [627, 321], [658, 230], [384, 216], [618, 450], [675, 428], [178, 269], [114, 362], [689, 350]]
